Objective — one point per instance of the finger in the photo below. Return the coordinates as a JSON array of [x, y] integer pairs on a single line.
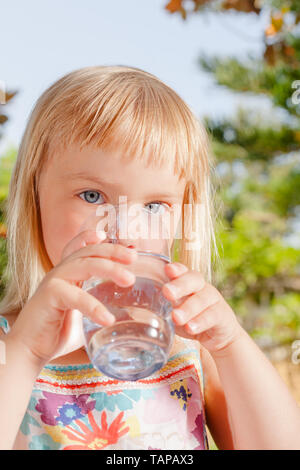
[[81, 269], [174, 270], [114, 252], [81, 240], [205, 321], [186, 284], [194, 304], [66, 296]]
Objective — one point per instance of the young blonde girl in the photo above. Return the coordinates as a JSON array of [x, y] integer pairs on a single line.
[[111, 131]]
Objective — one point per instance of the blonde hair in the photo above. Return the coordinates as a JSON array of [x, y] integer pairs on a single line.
[[107, 106]]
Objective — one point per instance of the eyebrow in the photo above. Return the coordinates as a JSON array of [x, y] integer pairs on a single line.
[[87, 177], [98, 181]]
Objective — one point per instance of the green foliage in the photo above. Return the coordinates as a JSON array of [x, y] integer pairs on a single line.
[[252, 137], [258, 164], [293, 5], [3, 262], [260, 271], [6, 164], [256, 77]]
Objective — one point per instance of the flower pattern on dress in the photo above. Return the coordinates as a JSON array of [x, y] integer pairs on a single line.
[[4, 324], [98, 437], [199, 433], [28, 418], [119, 399], [43, 442], [181, 391], [76, 407], [58, 408]]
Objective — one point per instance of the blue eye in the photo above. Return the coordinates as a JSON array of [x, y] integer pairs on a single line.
[[90, 196], [156, 206]]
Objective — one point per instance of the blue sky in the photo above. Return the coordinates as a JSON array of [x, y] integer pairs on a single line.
[[44, 40]]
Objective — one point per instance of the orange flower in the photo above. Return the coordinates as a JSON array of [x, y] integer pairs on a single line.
[[270, 31], [98, 438]]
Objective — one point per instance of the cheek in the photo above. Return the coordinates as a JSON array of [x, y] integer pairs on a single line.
[[59, 227]]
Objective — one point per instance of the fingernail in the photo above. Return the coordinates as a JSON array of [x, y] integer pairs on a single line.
[[101, 234], [130, 276], [193, 327], [173, 289], [179, 315], [175, 267], [109, 317]]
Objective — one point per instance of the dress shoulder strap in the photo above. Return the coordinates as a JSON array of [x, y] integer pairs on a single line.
[[4, 326]]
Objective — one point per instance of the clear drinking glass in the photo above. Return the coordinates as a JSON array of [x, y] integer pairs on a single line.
[[139, 341]]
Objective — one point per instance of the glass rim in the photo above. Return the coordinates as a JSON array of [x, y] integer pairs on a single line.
[[165, 258]]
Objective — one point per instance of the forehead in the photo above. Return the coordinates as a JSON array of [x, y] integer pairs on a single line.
[[110, 166]]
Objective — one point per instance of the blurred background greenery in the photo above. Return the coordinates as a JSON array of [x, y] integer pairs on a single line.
[[6, 164], [257, 179], [258, 184], [258, 169]]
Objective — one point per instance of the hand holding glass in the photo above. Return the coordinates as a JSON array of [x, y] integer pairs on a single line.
[[139, 341]]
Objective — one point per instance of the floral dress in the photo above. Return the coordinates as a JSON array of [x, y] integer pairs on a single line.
[[77, 407]]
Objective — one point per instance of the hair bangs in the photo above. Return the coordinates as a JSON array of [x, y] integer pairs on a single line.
[[136, 114]]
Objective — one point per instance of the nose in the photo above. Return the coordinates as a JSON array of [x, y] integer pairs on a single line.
[[118, 227]]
